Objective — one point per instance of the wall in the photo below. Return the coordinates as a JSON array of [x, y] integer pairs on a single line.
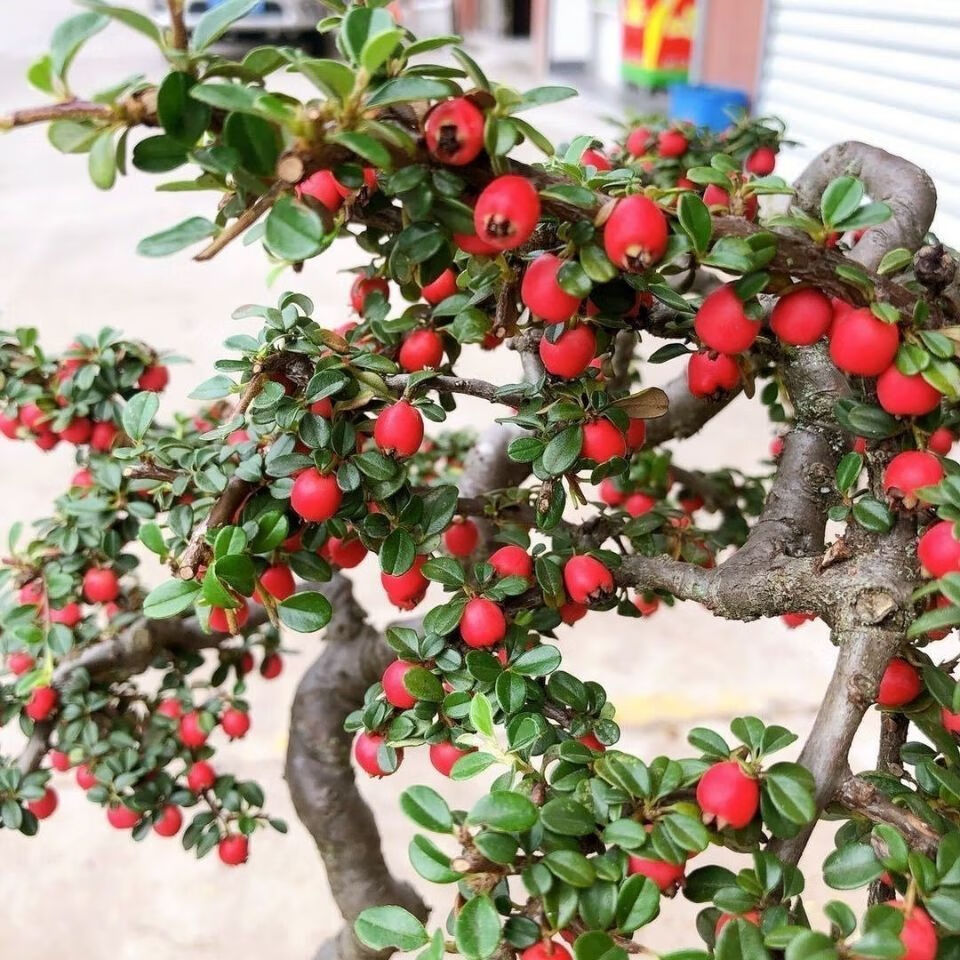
[[731, 42]]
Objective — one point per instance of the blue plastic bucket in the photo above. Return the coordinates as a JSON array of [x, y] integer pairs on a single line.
[[706, 106]]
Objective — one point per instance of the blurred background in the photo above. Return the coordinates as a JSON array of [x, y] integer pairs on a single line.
[[876, 70]]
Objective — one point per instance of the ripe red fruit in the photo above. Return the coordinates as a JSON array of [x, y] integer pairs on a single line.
[[950, 721], [191, 733], [667, 876], [233, 850], [862, 344], [69, 615], [571, 612], [78, 431], [201, 776], [82, 478], [506, 212], [271, 666], [590, 740], [420, 349], [444, 755], [474, 245], [906, 395], [235, 723], [722, 323], [587, 580], [46, 440], [100, 585], [636, 433], [102, 437], [940, 441], [761, 162], [438, 290], [363, 287], [155, 378], [322, 408], [169, 822], [728, 796], [31, 416], [19, 662], [41, 703], [512, 561], [794, 620], [546, 951], [635, 234], [751, 916], [365, 749], [571, 354], [277, 581], [646, 607], [746, 206], [899, 684], [322, 186], [602, 441], [709, 373], [86, 778], [541, 291], [221, 624], [32, 593], [45, 806], [610, 493], [406, 590], [170, 708], [59, 761], [122, 818], [908, 471], [454, 131], [802, 317], [399, 429], [637, 504], [592, 157], [9, 426], [345, 553], [918, 935], [672, 143], [638, 142], [393, 689], [461, 537], [315, 496], [482, 623], [938, 550]]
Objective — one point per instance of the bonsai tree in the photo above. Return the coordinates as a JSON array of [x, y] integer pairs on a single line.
[[836, 310]]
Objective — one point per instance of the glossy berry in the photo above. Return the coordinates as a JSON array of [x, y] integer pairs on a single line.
[[345, 553], [908, 471], [571, 612], [365, 750], [278, 581], [45, 806], [751, 916], [19, 662], [541, 291], [646, 607], [233, 850], [636, 433], [393, 689], [667, 876], [918, 935], [100, 585], [512, 561], [454, 131], [59, 761], [461, 538], [169, 822], [638, 143], [102, 436], [587, 580], [900, 684], [9, 426], [85, 777], [862, 344], [635, 234], [235, 723], [438, 290], [363, 287], [761, 162], [190, 731], [421, 349], [571, 354], [322, 408], [41, 703], [399, 429], [32, 417], [322, 186], [406, 590], [444, 755], [592, 157], [672, 143], [610, 493], [82, 478], [950, 721], [271, 666], [221, 624], [121, 817], [802, 317], [722, 323], [201, 776], [939, 550], [155, 378], [637, 504], [940, 441], [546, 951], [482, 623], [728, 796], [906, 395], [69, 615], [315, 496], [743, 205], [602, 441], [794, 620], [506, 212], [78, 431], [710, 373], [474, 245], [590, 740]]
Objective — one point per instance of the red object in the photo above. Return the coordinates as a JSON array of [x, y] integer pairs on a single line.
[[482, 623], [591, 157], [761, 162], [59, 761], [31, 416], [100, 585], [637, 504], [82, 478], [322, 186], [399, 429], [86, 778], [672, 143], [474, 245], [393, 689], [638, 142], [919, 935], [862, 344], [9, 426], [444, 286], [41, 703], [365, 750], [722, 323], [794, 620], [950, 721], [941, 441], [710, 373], [461, 537], [122, 818], [571, 612], [610, 493], [235, 723], [602, 441], [802, 317], [219, 621], [322, 408], [191, 733], [169, 822], [571, 354], [69, 615], [899, 685], [170, 708], [910, 470], [590, 740], [277, 581], [646, 607], [546, 951], [939, 550], [19, 662], [363, 287], [636, 433], [102, 437], [587, 580], [667, 876], [444, 755], [154, 378], [201, 776], [541, 291], [45, 806], [406, 590], [78, 431], [512, 561], [728, 796], [454, 131], [506, 212], [751, 916], [272, 666], [420, 349], [345, 553], [906, 395], [233, 850], [315, 496], [635, 234]]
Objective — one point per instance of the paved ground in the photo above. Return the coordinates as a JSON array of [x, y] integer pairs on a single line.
[[69, 264]]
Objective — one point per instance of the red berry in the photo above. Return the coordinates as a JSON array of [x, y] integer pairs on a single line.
[[862, 344], [322, 408], [908, 471], [590, 740], [444, 755], [19, 662], [235, 723], [571, 612], [482, 623], [59, 761], [541, 291], [102, 437], [672, 143], [277, 581], [461, 537], [393, 689], [794, 620], [170, 708], [506, 212], [399, 429], [722, 323], [237, 437], [761, 162], [728, 795], [406, 590], [900, 684], [233, 850], [191, 732], [638, 143], [9, 426], [454, 131], [45, 806], [611, 494], [950, 721], [69, 615], [438, 290], [363, 287], [751, 916], [940, 441], [86, 778], [906, 395], [512, 561], [939, 550], [365, 750], [121, 817], [667, 876], [602, 441], [41, 703], [421, 349], [32, 593], [802, 317], [636, 433], [322, 186], [169, 822], [474, 245], [716, 196], [637, 504], [919, 935], [82, 478], [592, 157], [315, 496], [271, 666], [201, 776], [710, 373], [345, 553], [635, 234], [155, 378], [647, 608], [31, 416], [221, 624], [571, 354], [587, 580], [546, 951], [78, 431]]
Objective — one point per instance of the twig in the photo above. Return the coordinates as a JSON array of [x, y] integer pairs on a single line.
[[246, 219], [68, 110], [220, 513], [177, 27]]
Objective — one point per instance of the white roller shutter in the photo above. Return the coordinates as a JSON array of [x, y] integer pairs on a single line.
[[883, 71]]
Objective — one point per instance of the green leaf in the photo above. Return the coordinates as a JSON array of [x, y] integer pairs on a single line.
[[571, 867], [129, 18], [570, 193], [217, 21], [102, 162], [334, 78], [873, 515], [40, 74], [305, 612], [789, 788], [159, 154], [397, 553], [869, 215], [365, 147], [851, 866], [68, 136], [563, 450], [378, 48], [741, 940], [383, 927], [138, 414], [503, 810], [565, 816], [477, 929], [175, 238], [255, 140], [182, 116], [895, 260], [625, 833], [227, 96], [481, 715], [538, 661], [848, 470], [213, 389], [69, 36], [426, 808], [840, 199], [293, 231], [430, 861], [695, 220], [637, 904], [170, 598], [573, 279], [407, 89]]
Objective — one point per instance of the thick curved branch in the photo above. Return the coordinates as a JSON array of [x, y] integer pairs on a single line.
[[686, 414]]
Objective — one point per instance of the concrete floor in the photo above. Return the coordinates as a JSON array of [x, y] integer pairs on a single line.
[[68, 265]]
